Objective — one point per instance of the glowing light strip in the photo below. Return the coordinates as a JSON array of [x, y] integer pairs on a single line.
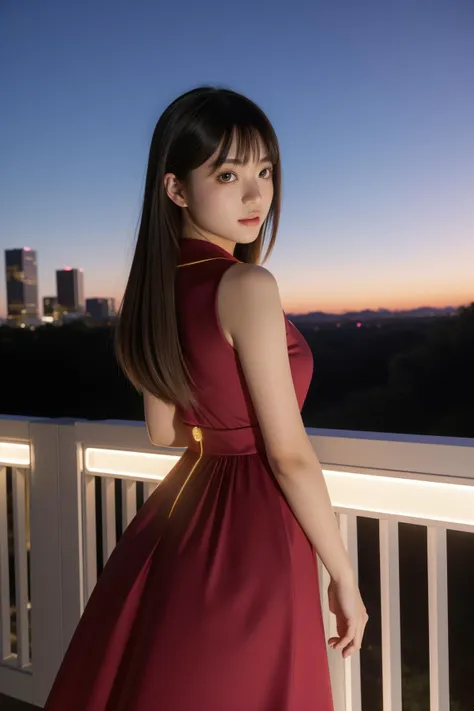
[[411, 498], [13, 454], [143, 465]]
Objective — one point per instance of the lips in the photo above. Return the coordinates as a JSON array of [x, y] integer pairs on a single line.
[[250, 220]]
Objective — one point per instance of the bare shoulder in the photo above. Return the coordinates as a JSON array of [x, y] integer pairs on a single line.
[[248, 280], [248, 296]]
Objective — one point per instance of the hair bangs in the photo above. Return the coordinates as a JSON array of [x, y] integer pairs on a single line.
[[248, 139]]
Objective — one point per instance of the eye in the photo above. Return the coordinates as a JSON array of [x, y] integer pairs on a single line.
[[223, 177], [269, 172]]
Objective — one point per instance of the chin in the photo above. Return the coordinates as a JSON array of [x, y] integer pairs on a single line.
[[245, 239]]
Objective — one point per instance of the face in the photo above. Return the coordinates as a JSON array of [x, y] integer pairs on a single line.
[[217, 203]]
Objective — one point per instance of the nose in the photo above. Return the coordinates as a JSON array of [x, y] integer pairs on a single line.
[[251, 193]]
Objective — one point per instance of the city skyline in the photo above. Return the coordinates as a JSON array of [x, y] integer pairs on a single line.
[[24, 305], [111, 301], [372, 107]]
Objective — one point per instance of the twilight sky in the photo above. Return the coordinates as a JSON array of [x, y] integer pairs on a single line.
[[373, 103]]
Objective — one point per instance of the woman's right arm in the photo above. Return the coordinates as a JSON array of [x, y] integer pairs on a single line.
[[250, 311]]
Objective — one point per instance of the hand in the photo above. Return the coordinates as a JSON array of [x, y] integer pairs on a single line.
[[346, 604]]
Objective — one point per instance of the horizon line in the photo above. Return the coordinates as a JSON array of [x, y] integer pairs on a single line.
[[379, 310]]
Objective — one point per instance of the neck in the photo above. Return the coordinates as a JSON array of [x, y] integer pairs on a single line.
[[191, 232]]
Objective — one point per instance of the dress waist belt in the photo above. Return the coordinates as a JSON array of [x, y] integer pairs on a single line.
[[227, 442]]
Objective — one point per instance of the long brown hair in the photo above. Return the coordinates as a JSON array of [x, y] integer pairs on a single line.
[[188, 133]]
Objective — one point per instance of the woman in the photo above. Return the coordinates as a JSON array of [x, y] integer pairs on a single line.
[[210, 600]]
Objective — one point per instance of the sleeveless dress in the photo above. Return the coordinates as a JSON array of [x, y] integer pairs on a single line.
[[210, 599]]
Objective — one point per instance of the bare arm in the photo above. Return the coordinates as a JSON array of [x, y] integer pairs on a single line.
[[249, 307], [165, 429], [250, 310]]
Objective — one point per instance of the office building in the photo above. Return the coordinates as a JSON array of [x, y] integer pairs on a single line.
[[70, 288], [100, 309], [50, 308], [22, 285]]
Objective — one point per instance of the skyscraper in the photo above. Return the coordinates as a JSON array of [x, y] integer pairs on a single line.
[[50, 308], [100, 309], [22, 284], [70, 289]]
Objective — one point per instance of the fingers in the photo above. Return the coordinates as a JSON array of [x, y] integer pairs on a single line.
[[352, 640], [348, 644], [355, 645], [349, 636]]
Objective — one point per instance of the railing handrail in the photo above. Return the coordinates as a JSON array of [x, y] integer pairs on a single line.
[[312, 431]]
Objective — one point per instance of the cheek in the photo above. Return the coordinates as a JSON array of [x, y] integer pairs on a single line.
[[212, 201], [268, 192], [202, 194]]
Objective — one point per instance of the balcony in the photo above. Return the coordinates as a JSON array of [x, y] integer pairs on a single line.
[[56, 477]]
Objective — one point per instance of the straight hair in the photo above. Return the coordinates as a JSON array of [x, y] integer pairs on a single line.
[[193, 127]]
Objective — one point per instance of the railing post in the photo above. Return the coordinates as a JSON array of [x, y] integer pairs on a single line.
[[71, 522], [345, 673], [20, 526], [390, 602], [45, 559], [336, 662], [438, 619], [352, 678], [5, 641]]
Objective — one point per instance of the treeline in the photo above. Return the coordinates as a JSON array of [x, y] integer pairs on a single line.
[[415, 378], [67, 371], [411, 377]]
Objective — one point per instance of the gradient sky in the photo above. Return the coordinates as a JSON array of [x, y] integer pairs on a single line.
[[373, 103]]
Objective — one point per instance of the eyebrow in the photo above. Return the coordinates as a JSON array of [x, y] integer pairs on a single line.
[[237, 161]]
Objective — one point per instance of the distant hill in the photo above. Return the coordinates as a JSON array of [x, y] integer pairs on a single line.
[[369, 315]]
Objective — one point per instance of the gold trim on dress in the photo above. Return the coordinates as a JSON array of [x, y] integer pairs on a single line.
[[197, 435], [209, 259]]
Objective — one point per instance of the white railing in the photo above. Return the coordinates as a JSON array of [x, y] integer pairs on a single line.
[[55, 465]]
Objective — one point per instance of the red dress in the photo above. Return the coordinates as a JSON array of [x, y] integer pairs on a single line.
[[215, 607]]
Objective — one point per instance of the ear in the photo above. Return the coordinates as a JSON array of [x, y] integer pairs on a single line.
[[174, 189]]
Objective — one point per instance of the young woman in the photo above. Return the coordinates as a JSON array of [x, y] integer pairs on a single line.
[[210, 600]]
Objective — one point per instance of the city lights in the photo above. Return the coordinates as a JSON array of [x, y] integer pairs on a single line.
[[69, 303]]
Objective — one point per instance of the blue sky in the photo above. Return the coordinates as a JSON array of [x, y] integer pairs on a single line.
[[373, 104]]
